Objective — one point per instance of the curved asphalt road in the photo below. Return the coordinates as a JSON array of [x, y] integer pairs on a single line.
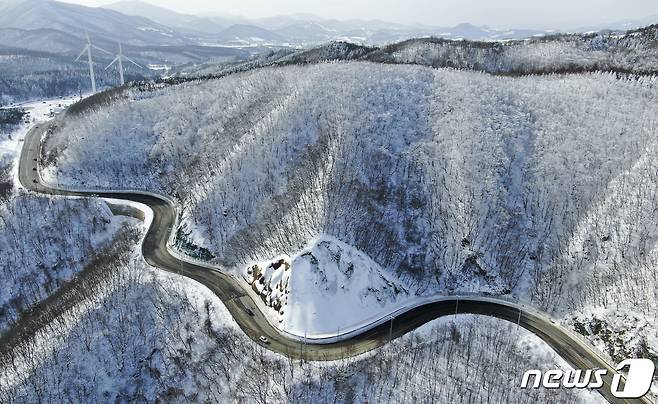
[[236, 300]]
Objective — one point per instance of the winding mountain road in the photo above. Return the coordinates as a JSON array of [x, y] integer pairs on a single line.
[[237, 299]]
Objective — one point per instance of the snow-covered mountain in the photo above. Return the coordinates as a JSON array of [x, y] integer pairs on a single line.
[[450, 181], [633, 51], [244, 34], [50, 25], [339, 183], [116, 318], [164, 16], [40, 39], [187, 23], [139, 23], [56, 27], [303, 29], [75, 20]]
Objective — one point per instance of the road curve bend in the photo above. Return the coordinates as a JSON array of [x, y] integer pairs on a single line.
[[237, 300]]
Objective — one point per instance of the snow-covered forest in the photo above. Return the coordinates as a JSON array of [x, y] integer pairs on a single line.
[[44, 243], [634, 51], [29, 75], [158, 337], [451, 181], [339, 183]]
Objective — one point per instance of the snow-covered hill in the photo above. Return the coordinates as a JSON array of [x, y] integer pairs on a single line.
[[448, 180], [633, 51], [75, 19]]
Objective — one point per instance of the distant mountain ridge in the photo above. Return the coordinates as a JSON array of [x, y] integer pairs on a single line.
[[188, 23], [76, 19], [61, 28], [303, 29], [308, 29], [634, 51], [139, 23]]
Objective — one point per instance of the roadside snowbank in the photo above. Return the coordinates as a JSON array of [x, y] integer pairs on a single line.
[[326, 286]]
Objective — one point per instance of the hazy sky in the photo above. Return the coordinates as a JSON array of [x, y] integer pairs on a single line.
[[497, 13]]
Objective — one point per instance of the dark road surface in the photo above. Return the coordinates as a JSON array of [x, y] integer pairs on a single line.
[[236, 299]]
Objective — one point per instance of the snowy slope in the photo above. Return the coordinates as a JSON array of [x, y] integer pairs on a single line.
[[326, 286]]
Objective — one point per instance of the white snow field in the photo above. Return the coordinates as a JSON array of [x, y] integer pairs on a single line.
[[449, 181]]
